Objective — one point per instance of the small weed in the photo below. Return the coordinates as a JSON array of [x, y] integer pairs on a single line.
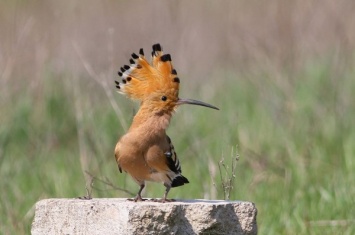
[[227, 174]]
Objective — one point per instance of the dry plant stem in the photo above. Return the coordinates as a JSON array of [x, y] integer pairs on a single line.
[[88, 195], [227, 181], [6, 72], [102, 81], [84, 161], [109, 183], [222, 181]]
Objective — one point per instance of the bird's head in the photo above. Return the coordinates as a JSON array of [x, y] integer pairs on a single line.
[[155, 85]]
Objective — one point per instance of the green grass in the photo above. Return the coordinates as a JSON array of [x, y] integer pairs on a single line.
[[295, 139]]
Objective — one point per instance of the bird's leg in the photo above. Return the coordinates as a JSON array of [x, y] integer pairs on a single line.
[[166, 194], [139, 196], [164, 199]]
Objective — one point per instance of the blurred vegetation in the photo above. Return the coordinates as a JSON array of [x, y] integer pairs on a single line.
[[282, 73]]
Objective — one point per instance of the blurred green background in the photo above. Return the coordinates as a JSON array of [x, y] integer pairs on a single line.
[[282, 73]]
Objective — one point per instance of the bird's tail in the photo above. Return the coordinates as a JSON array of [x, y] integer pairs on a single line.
[[179, 180]]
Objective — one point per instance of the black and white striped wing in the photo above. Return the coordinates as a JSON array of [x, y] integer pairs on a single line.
[[172, 159]]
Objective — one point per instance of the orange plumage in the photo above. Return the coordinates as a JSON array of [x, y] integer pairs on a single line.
[[145, 151]]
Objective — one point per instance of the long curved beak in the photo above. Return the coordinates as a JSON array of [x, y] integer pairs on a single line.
[[196, 102]]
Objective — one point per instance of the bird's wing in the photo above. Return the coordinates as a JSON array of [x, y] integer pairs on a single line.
[[171, 158], [164, 164], [118, 164], [117, 156], [162, 157]]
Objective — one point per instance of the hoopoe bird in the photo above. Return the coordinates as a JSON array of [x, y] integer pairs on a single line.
[[145, 152]]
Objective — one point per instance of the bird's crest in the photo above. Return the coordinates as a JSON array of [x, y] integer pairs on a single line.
[[140, 79]]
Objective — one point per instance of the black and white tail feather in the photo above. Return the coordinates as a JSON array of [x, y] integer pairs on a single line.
[[174, 165]]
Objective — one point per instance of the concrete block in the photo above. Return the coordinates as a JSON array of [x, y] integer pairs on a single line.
[[119, 216]]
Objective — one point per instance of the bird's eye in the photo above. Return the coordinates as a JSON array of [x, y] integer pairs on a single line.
[[164, 98]]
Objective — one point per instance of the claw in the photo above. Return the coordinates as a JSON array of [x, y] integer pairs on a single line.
[[138, 197]]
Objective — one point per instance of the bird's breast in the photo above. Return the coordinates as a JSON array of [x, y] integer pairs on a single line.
[[142, 159]]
